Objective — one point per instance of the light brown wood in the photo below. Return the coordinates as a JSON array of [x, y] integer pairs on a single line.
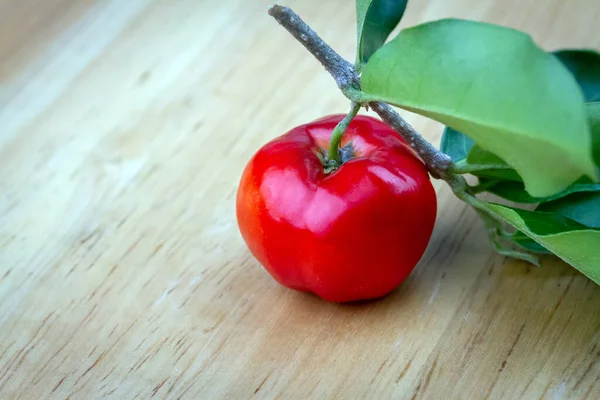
[[124, 127]]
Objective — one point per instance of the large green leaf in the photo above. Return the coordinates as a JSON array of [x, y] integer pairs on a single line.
[[585, 67], [494, 85], [566, 239], [456, 144], [375, 19], [580, 207]]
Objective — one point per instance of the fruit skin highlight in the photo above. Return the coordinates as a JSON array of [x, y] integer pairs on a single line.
[[351, 234]]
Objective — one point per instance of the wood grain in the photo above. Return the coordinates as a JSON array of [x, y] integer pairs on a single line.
[[124, 129]]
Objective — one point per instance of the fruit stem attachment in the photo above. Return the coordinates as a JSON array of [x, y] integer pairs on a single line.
[[338, 132]]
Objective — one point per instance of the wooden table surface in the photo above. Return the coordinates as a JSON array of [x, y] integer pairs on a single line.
[[124, 127]]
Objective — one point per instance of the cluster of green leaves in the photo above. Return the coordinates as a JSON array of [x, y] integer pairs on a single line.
[[525, 121]]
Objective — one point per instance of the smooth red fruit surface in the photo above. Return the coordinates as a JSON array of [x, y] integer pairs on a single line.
[[352, 234]]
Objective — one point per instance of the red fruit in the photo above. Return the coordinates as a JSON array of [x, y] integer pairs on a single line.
[[353, 234]]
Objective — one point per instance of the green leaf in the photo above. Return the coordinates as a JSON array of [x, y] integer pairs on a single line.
[[580, 207], [568, 240], [455, 144], [585, 67], [515, 191], [376, 19], [479, 156], [593, 113], [497, 87]]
